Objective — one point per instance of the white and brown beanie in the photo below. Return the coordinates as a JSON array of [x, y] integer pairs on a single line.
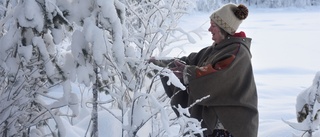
[[229, 17]]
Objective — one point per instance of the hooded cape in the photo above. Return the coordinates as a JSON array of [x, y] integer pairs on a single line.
[[232, 90]]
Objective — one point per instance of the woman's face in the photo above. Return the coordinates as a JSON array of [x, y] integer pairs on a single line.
[[215, 31]]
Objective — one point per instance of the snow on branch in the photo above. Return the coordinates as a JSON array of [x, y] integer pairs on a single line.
[[172, 77], [308, 109]]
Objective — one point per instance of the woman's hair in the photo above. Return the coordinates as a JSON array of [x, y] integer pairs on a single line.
[[223, 33]]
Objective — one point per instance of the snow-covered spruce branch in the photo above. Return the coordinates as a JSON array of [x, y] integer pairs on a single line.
[[308, 109]]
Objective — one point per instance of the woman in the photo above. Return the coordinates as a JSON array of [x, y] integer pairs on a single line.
[[224, 72]]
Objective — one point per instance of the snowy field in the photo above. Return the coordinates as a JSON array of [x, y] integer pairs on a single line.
[[286, 53]]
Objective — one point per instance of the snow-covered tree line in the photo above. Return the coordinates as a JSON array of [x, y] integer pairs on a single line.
[[210, 5], [102, 44]]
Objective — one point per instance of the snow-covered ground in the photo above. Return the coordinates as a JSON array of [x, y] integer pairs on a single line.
[[286, 53]]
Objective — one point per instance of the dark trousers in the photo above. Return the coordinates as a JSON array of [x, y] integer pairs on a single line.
[[220, 133]]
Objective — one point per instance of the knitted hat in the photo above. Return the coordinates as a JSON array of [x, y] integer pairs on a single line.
[[229, 17]]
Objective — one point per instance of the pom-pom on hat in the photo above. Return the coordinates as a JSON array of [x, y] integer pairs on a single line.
[[229, 17]]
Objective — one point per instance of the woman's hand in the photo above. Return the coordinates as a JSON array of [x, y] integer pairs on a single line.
[[178, 69]]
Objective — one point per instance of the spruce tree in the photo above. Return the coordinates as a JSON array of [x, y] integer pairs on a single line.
[[29, 67]]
